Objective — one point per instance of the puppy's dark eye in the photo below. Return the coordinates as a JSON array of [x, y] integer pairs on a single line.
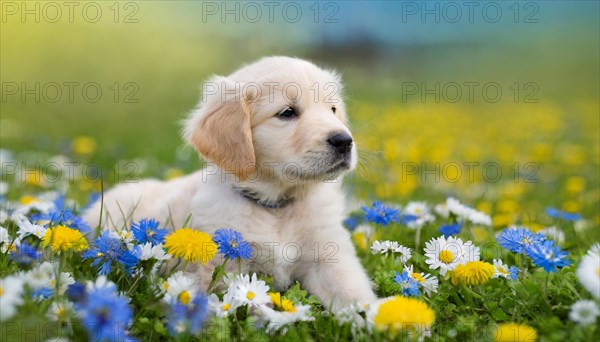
[[287, 113], [333, 109]]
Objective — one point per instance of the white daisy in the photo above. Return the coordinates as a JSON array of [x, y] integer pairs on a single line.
[[124, 235], [66, 279], [429, 282], [594, 250], [500, 269], [279, 320], [7, 242], [442, 210], [40, 276], [422, 213], [222, 308], [584, 312], [554, 233], [352, 314], [446, 254], [466, 213], [588, 273], [382, 247], [180, 287], [3, 215], [60, 311], [27, 228], [365, 229], [249, 290], [148, 251], [101, 282], [11, 291]]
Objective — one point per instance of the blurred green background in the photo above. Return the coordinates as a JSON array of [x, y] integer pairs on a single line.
[[149, 59]]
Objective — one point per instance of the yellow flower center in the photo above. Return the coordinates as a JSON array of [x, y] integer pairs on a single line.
[[598, 271], [1, 291], [418, 277], [184, 297], [502, 270], [446, 256], [27, 199], [250, 295], [166, 285], [99, 254], [226, 307], [61, 312]]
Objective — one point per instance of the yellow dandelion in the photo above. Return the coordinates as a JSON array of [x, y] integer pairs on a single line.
[[472, 273], [282, 303], [402, 312], [84, 145], [62, 239], [513, 332], [191, 245]]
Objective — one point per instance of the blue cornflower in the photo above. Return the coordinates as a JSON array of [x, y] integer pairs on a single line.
[[64, 217], [146, 230], [25, 254], [108, 250], [406, 219], [514, 272], [41, 294], [450, 229], [352, 221], [381, 214], [410, 286], [518, 239], [105, 315], [188, 317], [231, 244], [76, 292], [562, 215], [548, 255]]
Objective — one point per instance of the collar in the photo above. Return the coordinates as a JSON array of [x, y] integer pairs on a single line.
[[253, 196]]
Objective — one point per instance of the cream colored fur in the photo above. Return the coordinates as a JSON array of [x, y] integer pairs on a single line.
[[238, 131]]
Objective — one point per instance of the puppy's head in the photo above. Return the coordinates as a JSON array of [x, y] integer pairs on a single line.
[[280, 116]]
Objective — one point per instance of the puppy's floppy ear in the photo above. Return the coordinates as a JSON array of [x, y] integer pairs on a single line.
[[219, 128]]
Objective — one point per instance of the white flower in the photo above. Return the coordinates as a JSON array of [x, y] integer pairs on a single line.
[[60, 311], [148, 251], [249, 290], [279, 320], [446, 254], [27, 228], [429, 282], [351, 314], [500, 269], [11, 291], [554, 233], [3, 215], [7, 242], [584, 312], [100, 283], [442, 210], [180, 287], [124, 235], [40, 276], [422, 213], [43, 203], [594, 250], [365, 229], [466, 213], [382, 247], [66, 279], [588, 273], [222, 308], [3, 188]]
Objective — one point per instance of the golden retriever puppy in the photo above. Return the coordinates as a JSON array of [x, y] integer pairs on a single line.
[[277, 142]]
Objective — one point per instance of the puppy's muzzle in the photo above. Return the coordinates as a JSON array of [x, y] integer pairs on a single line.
[[341, 143]]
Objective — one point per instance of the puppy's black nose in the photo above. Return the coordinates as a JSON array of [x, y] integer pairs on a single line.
[[341, 142]]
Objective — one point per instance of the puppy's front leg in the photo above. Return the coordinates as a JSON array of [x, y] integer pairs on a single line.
[[336, 276]]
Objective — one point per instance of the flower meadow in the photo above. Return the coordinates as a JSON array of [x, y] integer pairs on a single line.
[[441, 271]]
